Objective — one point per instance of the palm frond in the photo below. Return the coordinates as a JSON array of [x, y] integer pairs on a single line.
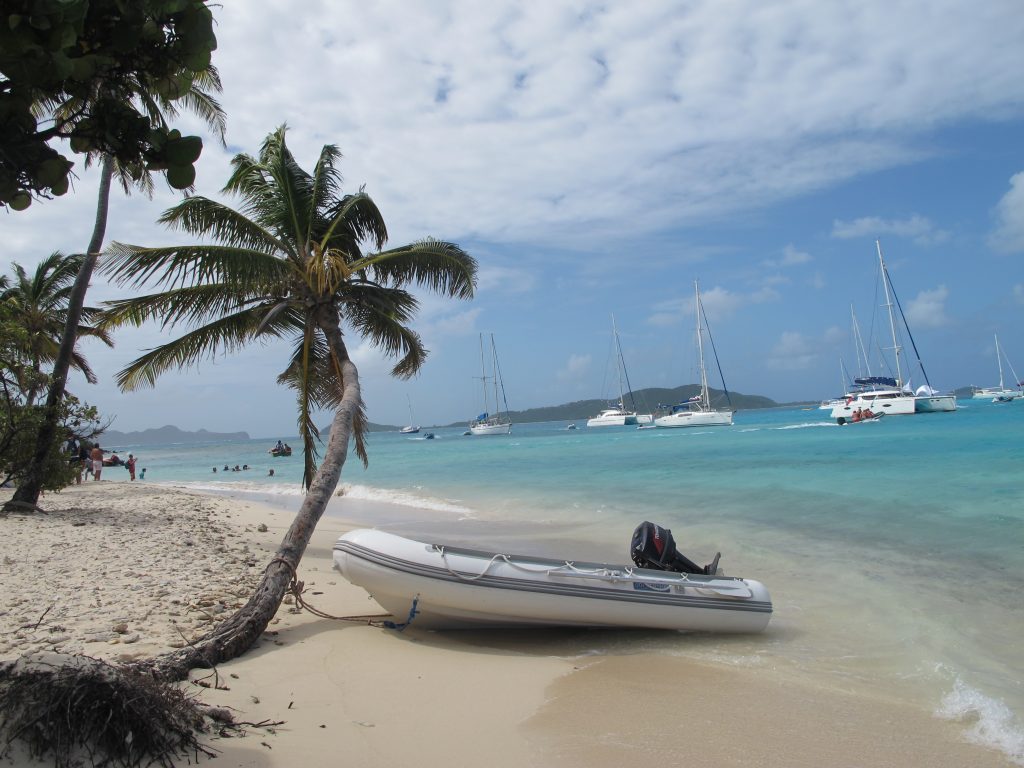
[[245, 271], [79, 362], [227, 334], [326, 181], [379, 313], [211, 219], [441, 266], [310, 371], [352, 220], [194, 305]]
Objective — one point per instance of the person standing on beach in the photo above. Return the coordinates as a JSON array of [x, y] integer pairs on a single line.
[[83, 460], [96, 454], [130, 464]]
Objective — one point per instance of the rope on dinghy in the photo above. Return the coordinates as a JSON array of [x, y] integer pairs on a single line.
[[507, 559]]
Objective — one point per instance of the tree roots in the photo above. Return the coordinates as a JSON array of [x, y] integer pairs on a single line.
[[79, 710]]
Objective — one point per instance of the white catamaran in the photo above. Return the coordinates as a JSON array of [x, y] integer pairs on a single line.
[[697, 411], [881, 394], [616, 414], [1002, 393], [491, 423]]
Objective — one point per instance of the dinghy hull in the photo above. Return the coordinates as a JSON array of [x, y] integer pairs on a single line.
[[437, 587]]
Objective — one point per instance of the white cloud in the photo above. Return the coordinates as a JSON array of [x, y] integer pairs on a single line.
[[574, 369], [718, 303], [588, 115], [793, 352], [791, 257], [928, 309], [1008, 236], [454, 324], [917, 228], [504, 279]]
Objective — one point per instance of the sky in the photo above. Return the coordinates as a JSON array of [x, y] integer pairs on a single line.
[[598, 158]]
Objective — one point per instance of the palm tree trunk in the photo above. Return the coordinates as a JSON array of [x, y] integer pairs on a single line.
[[237, 634], [28, 490]]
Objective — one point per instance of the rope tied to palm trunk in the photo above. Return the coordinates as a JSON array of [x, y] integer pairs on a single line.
[[296, 588]]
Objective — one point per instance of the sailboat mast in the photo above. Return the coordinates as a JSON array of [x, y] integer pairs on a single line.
[[892, 318], [999, 359], [704, 394], [618, 364], [859, 350], [494, 369], [483, 373]]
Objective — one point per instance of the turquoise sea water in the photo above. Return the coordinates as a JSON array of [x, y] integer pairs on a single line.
[[894, 550]]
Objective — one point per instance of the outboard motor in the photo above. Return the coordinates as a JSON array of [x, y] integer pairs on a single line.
[[654, 547]]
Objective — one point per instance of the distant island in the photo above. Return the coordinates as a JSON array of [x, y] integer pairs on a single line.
[[167, 435]]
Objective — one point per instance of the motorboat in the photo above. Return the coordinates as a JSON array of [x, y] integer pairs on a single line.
[[697, 411], [437, 586], [841, 421]]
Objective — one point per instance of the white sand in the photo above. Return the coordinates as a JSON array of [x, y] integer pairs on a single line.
[[118, 570]]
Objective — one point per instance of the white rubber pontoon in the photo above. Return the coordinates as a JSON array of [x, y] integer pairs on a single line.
[[432, 586]]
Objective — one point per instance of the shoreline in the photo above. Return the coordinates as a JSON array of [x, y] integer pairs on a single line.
[[165, 562]]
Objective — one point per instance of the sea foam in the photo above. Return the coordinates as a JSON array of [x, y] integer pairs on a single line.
[[993, 724]]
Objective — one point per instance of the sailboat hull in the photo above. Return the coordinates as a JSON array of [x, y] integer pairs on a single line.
[[491, 429], [935, 404], [991, 392], [612, 419], [890, 402], [695, 419]]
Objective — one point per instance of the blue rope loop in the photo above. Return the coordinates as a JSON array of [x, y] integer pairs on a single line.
[[413, 612]]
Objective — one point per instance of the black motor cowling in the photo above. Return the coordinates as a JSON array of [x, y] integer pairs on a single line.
[[654, 547]]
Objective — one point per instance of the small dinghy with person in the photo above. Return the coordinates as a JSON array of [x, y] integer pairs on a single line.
[[435, 586], [859, 418]]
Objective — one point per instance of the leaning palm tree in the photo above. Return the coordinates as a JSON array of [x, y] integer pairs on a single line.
[[288, 264], [38, 303], [199, 99]]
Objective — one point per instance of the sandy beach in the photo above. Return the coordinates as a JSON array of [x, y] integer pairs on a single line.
[[120, 570]]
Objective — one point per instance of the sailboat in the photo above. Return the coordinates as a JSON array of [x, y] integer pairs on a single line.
[[862, 381], [697, 411], [1002, 393], [616, 414], [884, 394], [491, 423], [412, 429]]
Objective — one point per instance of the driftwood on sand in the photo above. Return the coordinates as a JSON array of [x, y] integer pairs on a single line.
[[77, 709]]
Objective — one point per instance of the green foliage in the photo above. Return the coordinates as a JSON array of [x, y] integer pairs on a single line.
[[97, 72], [27, 307], [36, 305], [288, 264], [19, 425]]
